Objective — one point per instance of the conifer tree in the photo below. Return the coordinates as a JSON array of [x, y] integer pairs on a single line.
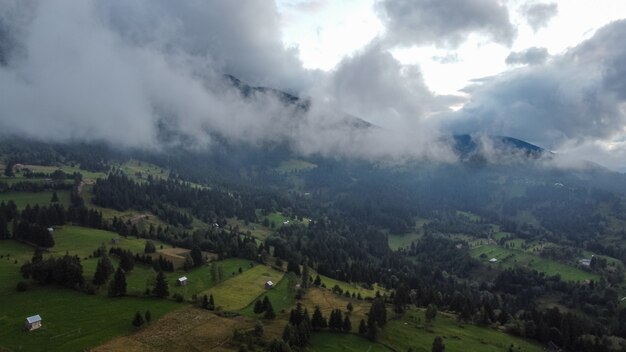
[[148, 316], [211, 302], [104, 268], [205, 302], [269, 311], [161, 288], [347, 324], [362, 328], [138, 320], [258, 307], [188, 265], [318, 321], [438, 345], [117, 287]]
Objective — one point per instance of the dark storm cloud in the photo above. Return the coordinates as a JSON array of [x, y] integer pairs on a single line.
[[530, 56], [445, 23], [576, 97], [539, 15]]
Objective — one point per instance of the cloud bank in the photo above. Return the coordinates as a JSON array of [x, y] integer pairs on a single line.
[[147, 73], [576, 99]]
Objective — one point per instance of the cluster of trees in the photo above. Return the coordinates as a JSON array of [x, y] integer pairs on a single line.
[[31, 224], [65, 271], [298, 330], [265, 307], [164, 197]]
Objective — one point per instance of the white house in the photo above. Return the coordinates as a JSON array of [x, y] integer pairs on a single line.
[[33, 323], [51, 230], [182, 281], [269, 284], [493, 260]]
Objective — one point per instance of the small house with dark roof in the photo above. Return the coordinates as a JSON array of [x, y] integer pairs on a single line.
[[33, 322]]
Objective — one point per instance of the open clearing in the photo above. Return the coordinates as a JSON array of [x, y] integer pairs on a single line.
[[22, 199], [331, 342], [411, 331], [282, 296], [186, 329], [295, 165], [239, 291], [508, 258], [72, 321]]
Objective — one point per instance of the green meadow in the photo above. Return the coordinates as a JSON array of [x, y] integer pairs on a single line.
[[411, 331], [508, 258], [22, 199]]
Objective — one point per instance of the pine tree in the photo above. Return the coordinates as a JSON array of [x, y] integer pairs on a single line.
[[305, 275], [138, 320], [55, 197], [335, 321], [269, 311], [350, 307], [347, 324], [104, 268], [431, 313], [266, 302], [188, 265], [196, 255], [290, 335], [372, 329], [148, 316], [318, 321], [318, 281], [150, 247], [258, 307], [161, 288], [438, 345], [205, 302], [37, 256], [362, 328], [211, 302], [4, 227], [117, 287]]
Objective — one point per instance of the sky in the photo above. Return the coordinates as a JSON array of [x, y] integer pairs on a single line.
[[150, 73]]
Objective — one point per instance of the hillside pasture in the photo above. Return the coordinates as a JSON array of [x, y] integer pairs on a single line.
[[282, 296], [331, 342], [72, 321], [508, 258], [238, 292], [411, 331], [22, 199], [186, 329], [351, 287]]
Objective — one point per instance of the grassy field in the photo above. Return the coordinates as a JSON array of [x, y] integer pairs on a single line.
[[186, 329], [352, 287], [65, 168], [331, 342], [239, 291], [411, 331], [72, 321], [508, 258], [82, 241], [295, 165], [22, 199], [282, 297], [404, 240]]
